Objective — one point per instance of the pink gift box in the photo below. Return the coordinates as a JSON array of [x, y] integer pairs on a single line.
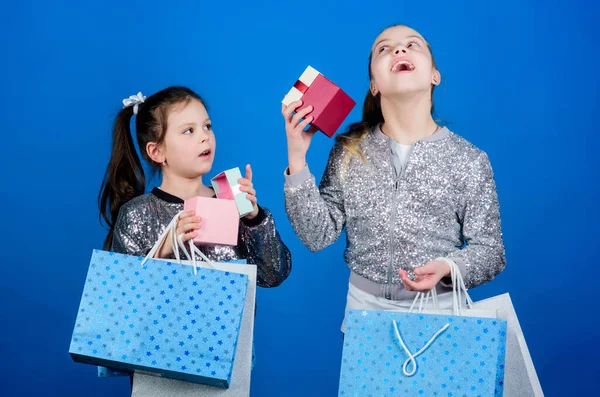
[[220, 220], [331, 105]]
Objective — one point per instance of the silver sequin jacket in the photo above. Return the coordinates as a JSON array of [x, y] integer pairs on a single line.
[[443, 205], [142, 220]]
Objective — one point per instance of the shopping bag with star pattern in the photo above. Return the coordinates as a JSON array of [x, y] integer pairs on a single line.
[[420, 354], [161, 318]]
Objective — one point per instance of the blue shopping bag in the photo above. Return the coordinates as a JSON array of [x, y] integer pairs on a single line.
[[104, 372], [412, 354], [159, 318], [424, 354]]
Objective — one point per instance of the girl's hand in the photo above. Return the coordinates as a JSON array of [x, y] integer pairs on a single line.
[[427, 276], [247, 186], [187, 225], [298, 140]]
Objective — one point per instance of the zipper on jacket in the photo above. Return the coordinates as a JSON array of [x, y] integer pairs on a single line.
[[388, 289]]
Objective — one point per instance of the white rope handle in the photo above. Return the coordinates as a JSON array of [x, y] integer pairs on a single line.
[[423, 299], [193, 252], [458, 288], [172, 228], [411, 357], [176, 243]]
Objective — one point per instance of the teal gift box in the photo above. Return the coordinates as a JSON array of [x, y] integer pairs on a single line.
[[159, 318], [227, 186]]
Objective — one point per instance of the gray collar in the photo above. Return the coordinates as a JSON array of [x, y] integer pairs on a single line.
[[438, 135]]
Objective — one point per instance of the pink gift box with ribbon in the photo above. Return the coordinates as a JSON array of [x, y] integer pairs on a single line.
[[330, 104]]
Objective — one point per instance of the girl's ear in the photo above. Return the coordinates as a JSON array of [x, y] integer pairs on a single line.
[[155, 152], [373, 89], [436, 77]]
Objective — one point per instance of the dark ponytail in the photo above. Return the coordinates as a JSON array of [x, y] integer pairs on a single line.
[[124, 177]]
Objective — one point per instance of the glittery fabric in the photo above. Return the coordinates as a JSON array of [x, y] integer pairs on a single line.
[[443, 205], [142, 220]]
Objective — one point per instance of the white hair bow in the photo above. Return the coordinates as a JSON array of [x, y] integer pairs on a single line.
[[134, 100]]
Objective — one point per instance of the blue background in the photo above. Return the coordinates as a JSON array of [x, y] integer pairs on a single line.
[[520, 81]]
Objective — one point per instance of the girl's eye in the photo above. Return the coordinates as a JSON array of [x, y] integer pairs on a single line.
[[208, 127], [413, 43], [189, 131], [383, 48]]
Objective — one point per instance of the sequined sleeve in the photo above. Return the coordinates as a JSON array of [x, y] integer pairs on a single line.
[[126, 239], [483, 257], [317, 214], [265, 249]]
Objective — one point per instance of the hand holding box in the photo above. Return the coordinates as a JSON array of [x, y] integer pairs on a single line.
[[330, 104], [220, 220], [227, 186]]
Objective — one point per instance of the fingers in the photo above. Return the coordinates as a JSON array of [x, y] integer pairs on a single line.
[[252, 199], [188, 236], [305, 122], [300, 115], [188, 225], [186, 214], [408, 284], [250, 192], [295, 121], [288, 110], [247, 186], [249, 173], [425, 270], [420, 284]]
